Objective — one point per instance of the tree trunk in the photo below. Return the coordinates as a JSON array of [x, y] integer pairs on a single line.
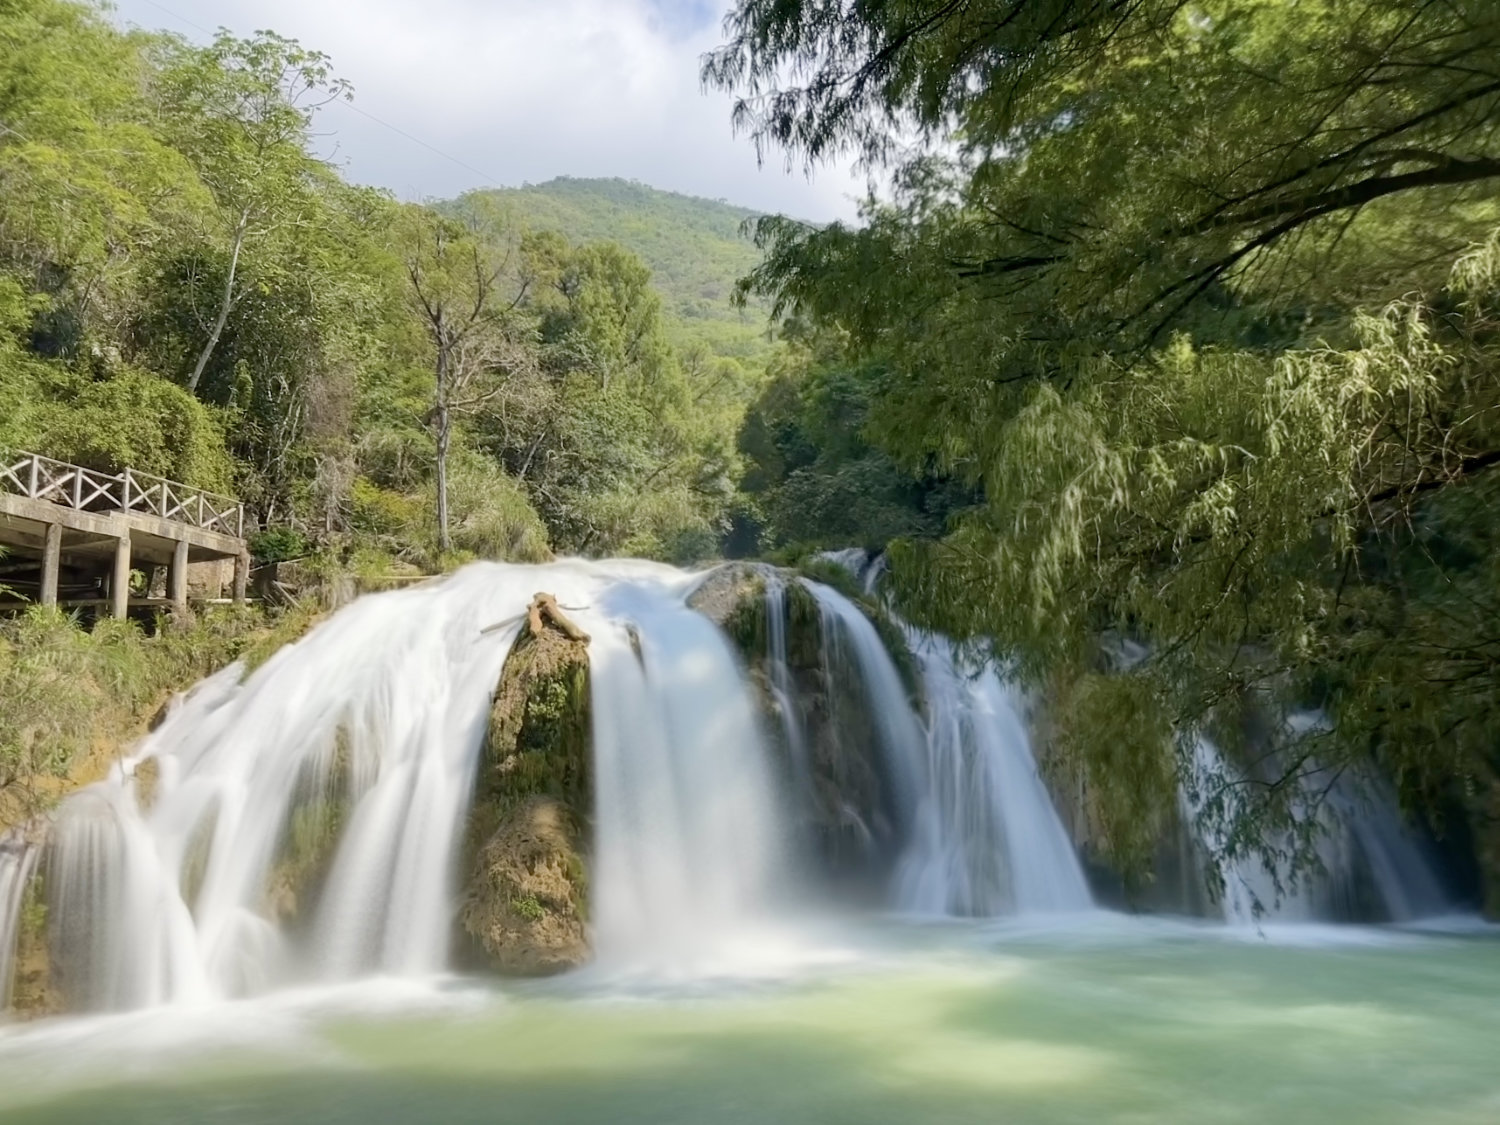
[[444, 422], [444, 542], [226, 304]]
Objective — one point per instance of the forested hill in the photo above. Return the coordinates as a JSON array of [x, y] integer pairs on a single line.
[[696, 248]]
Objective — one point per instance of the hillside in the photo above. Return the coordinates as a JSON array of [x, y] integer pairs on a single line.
[[695, 248]]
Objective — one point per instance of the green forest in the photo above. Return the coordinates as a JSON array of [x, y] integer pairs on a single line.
[[1167, 369], [185, 288]]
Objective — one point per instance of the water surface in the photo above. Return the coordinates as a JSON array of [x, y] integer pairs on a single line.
[[1105, 1020]]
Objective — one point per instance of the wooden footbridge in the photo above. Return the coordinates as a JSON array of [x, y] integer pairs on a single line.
[[71, 536]]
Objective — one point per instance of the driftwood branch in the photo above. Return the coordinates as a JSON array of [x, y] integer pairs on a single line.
[[543, 608]]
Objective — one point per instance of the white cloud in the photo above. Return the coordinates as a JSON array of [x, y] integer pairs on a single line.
[[523, 90]]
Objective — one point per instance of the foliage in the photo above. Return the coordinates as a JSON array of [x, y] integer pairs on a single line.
[[623, 445], [1198, 298], [696, 250], [278, 544], [811, 474], [69, 692], [463, 283], [187, 289]]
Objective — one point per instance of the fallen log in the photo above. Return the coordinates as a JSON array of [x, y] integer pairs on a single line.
[[544, 608]]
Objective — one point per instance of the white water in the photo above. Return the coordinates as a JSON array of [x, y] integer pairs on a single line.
[[387, 703], [688, 835], [17, 860], [782, 690], [985, 838], [851, 645], [989, 840], [382, 711], [1355, 833]]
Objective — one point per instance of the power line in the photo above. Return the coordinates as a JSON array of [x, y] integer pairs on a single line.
[[418, 140], [362, 112]]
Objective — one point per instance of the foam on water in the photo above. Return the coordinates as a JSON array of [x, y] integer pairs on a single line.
[[385, 706]]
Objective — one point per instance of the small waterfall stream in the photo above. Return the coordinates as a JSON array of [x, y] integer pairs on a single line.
[[689, 839], [18, 857], [990, 840], [984, 836], [1369, 863]]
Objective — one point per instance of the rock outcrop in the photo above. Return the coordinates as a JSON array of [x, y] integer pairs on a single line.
[[821, 723], [525, 903]]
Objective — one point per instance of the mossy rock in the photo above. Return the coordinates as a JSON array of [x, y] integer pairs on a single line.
[[849, 812], [301, 869], [528, 839], [34, 991], [525, 902], [726, 591]]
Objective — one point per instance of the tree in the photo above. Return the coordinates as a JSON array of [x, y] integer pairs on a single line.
[[465, 284], [1198, 297], [1123, 163], [243, 109]]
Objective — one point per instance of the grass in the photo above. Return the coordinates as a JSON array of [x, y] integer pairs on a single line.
[[75, 697]]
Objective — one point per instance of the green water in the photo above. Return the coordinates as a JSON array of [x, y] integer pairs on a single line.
[[1153, 1025]]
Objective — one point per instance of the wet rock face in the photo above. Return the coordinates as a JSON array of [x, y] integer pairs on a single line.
[[729, 590], [32, 985], [819, 721], [525, 903]]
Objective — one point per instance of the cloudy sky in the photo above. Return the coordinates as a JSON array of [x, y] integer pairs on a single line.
[[522, 91]]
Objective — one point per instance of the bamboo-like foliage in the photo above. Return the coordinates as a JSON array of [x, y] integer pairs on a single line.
[[1199, 299]]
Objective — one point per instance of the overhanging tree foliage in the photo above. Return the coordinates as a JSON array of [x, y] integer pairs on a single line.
[[1199, 295]]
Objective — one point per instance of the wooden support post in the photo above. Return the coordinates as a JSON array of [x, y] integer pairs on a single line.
[[51, 563], [241, 576], [119, 580], [177, 576]]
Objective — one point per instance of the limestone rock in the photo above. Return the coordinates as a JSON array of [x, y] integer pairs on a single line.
[[529, 836], [727, 591], [525, 903]]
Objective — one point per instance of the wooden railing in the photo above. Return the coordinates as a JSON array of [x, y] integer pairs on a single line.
[[88, 490]]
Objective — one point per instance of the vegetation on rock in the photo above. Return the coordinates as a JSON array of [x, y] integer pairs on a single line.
[[848, 809], [525, 899]]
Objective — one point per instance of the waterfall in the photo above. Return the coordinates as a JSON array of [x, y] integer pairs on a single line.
[[1369, 865], [689, 839], [374, 722], [349, 758], [984, 837], [989, 839], [852, 650], [782, 690], [17, 861]]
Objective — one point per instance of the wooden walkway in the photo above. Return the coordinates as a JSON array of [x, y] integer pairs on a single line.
[[71, 535]]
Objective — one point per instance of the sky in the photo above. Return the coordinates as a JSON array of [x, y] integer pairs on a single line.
[[521, 91]]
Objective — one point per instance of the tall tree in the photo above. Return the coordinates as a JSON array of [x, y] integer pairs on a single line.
[[243, 110], [465, 283]]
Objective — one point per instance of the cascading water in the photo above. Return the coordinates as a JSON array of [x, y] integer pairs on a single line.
[[689, 840], [1368, 863], [17, 861], [383, 710], [989, 840], [850, 646], [984, 837], [367, 733], [782, 690]]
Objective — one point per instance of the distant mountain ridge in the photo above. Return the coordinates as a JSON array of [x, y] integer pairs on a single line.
[[696, 248]]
